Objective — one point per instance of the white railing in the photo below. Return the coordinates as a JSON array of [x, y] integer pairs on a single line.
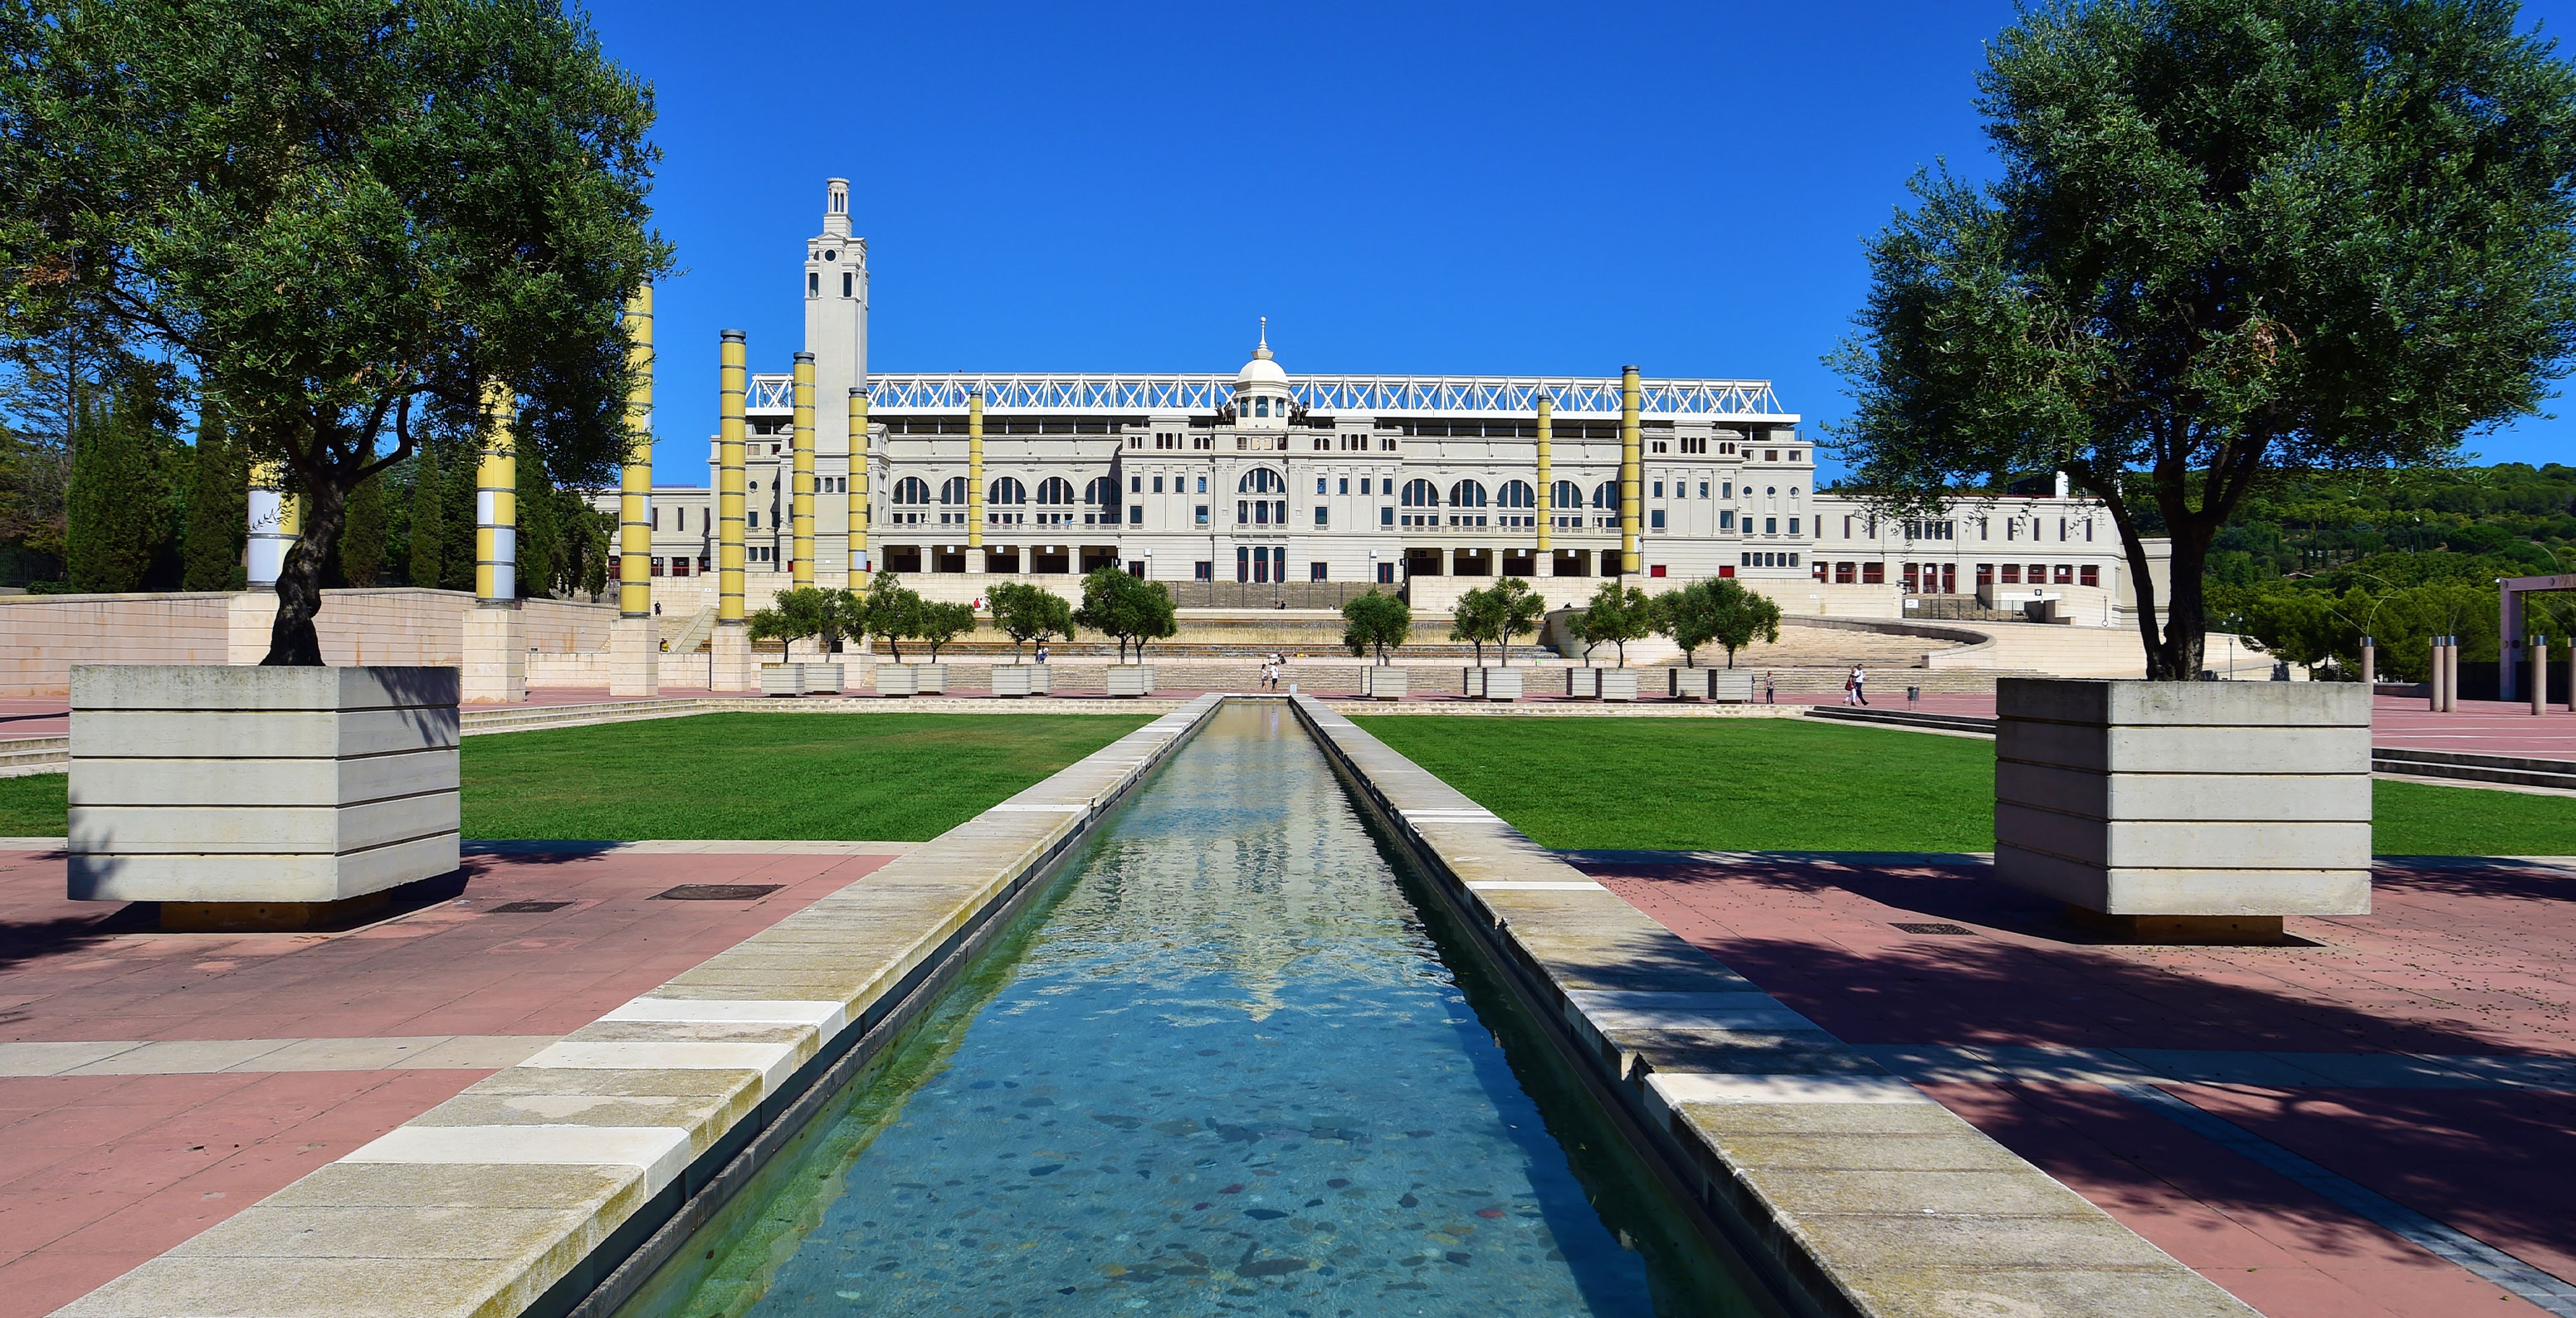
[[1590, 398]]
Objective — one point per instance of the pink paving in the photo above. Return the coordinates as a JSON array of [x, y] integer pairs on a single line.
[[2475, 959], [99, 1173]]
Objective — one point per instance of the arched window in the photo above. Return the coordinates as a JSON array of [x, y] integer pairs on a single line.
[[1262, 480], [1055, 490], [1101, 492], [1421, 494], [1261, 407], [1516, 494], [912, 489], [1467, 494], [953, 490], [1006, 490], [1564, 495], [1606, 495]]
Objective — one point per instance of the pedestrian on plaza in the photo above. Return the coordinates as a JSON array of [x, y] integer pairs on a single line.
[[1042, 652], [1270, 671], [1859, 685], [1770, 690]]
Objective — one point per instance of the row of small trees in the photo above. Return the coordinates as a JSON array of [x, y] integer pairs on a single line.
[[1126, 609], [1717, 611]]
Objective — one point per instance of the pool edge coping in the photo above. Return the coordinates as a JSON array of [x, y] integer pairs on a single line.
[[742, 1048], [1775, 1157]]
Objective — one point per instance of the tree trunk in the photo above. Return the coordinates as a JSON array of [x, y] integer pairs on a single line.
[[292, 642], [2179, 656]]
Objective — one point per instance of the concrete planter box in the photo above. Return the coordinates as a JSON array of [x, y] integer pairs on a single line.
[[1382, 682], [2185, 811], [1131, 679], [1011, 679], [782, 679], [1502, 684], [250, 797], [930, 679], [1616, 683], [823, 679], [1583, 683], [897, 680], [1472, 682], [1686, 683], [1041, 679], [1708, 684]]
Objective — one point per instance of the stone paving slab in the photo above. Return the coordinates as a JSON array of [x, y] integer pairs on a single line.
[[1679, 1037], [642, 1103]]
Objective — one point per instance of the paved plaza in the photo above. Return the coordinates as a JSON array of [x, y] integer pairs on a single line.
[[154, 1084], [2424, 1054]]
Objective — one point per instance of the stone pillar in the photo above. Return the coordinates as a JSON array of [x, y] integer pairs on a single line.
[[2433, 680], [974, 480], [860, 446], [2539, 675], [635, 640], [272, 526], [1546, 486], [495, 640], [733, 669], [2185, 811], [800, 493], [2369, 664], [1631, 462]]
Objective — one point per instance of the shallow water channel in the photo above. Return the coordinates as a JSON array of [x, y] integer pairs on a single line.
[[1223, 1068]]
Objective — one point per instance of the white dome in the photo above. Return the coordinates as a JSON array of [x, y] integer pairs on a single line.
[[1262, 370]]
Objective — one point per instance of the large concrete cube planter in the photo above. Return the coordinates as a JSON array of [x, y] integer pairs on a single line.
[[1041, 679], [1616, 683], [823, 679], [1384, 682], [1502, 684], [2185, 811], [1012, 680], [897, 680], [1583, 683], [782, 679], [250, 797], [1131, 679], [930, 679]]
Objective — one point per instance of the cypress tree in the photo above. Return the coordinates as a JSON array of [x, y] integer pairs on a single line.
[[428, 526], [118, 498], [217, 508], [362, 542], [456, 559], [540, 533]]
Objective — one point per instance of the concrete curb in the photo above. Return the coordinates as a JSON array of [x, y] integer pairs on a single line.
[[1854, 1192], [550, 1186]]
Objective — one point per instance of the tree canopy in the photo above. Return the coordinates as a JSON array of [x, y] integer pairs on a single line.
[[345, 217], [1715, 609], [1615, 615], [1127, 609], [2227, 242], [1027, 612], [1376, 623]]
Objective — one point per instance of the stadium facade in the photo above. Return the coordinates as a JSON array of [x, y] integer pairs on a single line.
[[1262, 476]]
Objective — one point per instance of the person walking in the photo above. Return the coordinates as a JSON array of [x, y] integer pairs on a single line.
[[1860, 685], [1770, 690], [1278, 661], [1042, 653]]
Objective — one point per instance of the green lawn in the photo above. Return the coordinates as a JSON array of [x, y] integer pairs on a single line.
[[853, 777], [1684, 784]]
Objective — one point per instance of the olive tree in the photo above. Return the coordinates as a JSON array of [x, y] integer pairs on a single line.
[[2227, 241], [1615, 615], [1376, 622], [1028, 613], [1518, 610], [1475, 620], [347, 218]]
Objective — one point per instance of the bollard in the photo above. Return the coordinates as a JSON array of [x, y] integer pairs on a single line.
[[2539, 675], [2370, 664], [2433, 680]]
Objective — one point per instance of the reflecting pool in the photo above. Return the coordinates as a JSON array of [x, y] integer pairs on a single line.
[[1225, 1071]]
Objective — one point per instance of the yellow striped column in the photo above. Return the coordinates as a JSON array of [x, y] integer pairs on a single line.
[[1631, 462], [974, 477], [1546, 489], [859, 450], [635, 478], [730, 382], [272, 525], [496, 503], [800, 495]]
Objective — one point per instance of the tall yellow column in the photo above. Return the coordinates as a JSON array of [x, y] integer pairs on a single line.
[[859, 451], [1546, 487], [496, 504], [495, 640], [634, 640], [1631, 462], [974, 478], [800, 495], [730, 647]]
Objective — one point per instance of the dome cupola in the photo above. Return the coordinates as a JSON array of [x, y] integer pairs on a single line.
[[1261, 397]]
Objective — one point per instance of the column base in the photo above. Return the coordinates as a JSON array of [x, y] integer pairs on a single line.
[[635, 657], [268, 917], [2206, 930], [496, 657], [734, 667]]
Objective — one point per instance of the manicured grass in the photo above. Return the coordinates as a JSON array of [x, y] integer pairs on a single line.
[[844, 777], [1680, 784], [852, 777]]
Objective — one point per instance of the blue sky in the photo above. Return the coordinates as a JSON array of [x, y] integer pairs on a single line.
[[1400, 188]]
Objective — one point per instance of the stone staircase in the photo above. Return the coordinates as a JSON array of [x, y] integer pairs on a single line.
[[693, 634]]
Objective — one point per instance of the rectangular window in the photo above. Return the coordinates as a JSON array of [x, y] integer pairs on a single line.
[[2064, 576], [754, 514], [1158, 485], [657, 567], [1793, 526], [1243, 562], [1793, 560], [2091, 575], [1659, 489], [1364, 484], [1136, 515], [1206, 571], [1655, 520], [1770, 526], [1985, 574], [1726, 520], [1314, 571], [1726, 489], [1873, 574], [1703, 489], [1386, 517], [2012, 574], [1261, 512], [1319, 485], [1135, 485], [1203, 514], [1346, 485], [1242, 512], [1319, 517]]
